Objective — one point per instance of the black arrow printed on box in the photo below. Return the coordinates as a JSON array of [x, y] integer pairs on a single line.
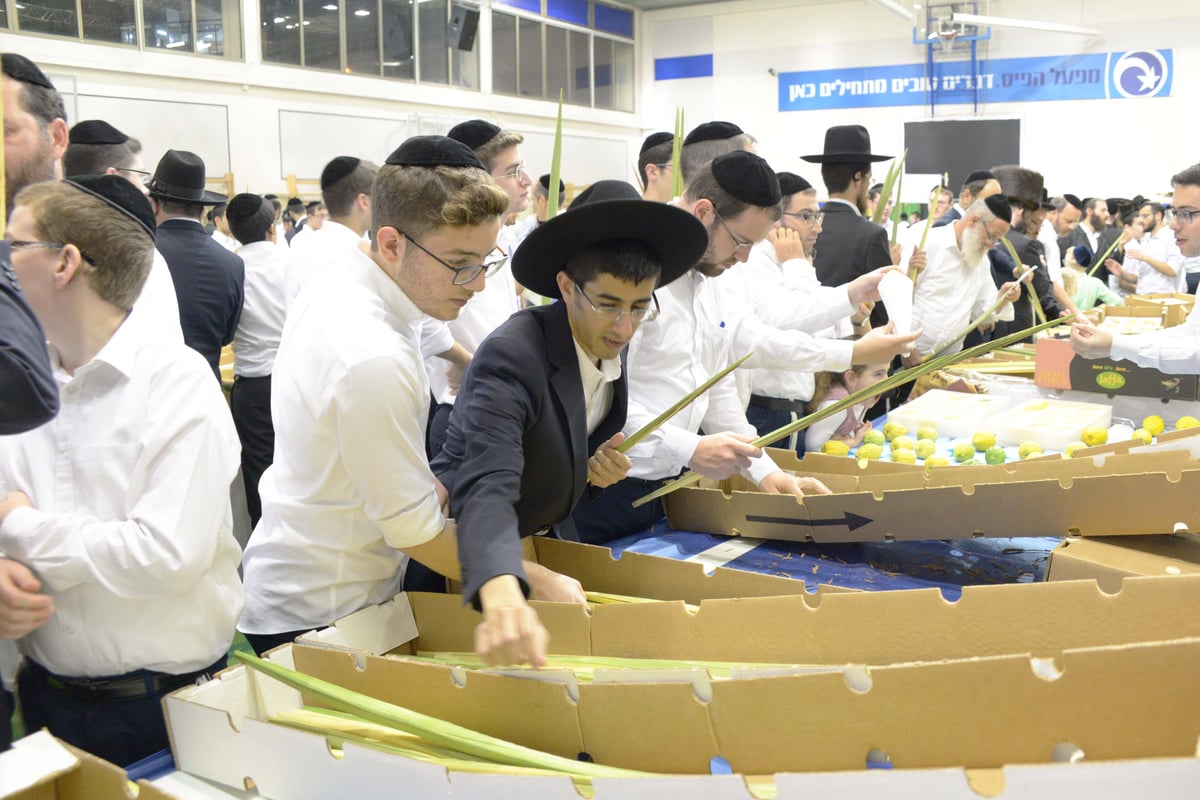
[[851, 521]]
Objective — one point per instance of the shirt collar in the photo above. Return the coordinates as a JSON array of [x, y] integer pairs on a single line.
[[846, 203], [608, 371], [331, 228], [119, 353], [372, 276]]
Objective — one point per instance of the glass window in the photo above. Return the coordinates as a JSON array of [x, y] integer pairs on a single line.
[[435, 56], [622, 76], [280, 31], [603, 51], [322, 34], [504, 53], [168, 24], [210, 28], [581, 66], [529, 42], [613, 20], [109, 21], [568, 10], [362, 36], [398, 61], [462, 34], [3, 15], [58, 17], [532, 6], [558, 68]]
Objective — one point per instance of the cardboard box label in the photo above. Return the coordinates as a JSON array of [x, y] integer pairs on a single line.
[[1058, 367]]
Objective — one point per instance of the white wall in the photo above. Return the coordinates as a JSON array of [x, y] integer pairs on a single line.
[[1087, 147]]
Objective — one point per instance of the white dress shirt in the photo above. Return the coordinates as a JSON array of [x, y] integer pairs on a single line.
[[1049, 239], [323, 249], [228, 242], [670, 356], [950, 292], [1175, 351], [304, 237], [350, 483], [597, 385], [131, 529], [1093, 237], [1161, 247], [158, 303], [263, 310]]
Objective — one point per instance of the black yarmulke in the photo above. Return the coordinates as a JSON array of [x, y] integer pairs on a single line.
[[96, 131], [1000, 205], [20, 68], [655, 139], [1073, 200], [244, 206], [790, 183], [474, 133], [707, 131], [545, 182], [295, 204], [337, 169], [434, 151], [747, 177], [979, 175], [1083, 255], [119, 194]]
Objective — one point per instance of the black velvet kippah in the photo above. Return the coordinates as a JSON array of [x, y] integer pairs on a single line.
[[337, 169], [707, 131], [790, 183], [434, 151], [979, 175], [1000, 205], [119, 194], [20, 68], [295, 204], [474, 133], [545, 182], [747, 177], [1073, 200], [244, 206], [655, 139], [96, 131]]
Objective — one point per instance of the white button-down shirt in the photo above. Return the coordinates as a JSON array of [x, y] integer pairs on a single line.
[[158, 302], [1175, 351], [1049, 239], [321, 250], [950, 292], [228, 242], [597, 385], [131, 528], [350, 483], [670, 356], [1161, 247], [263, 310]]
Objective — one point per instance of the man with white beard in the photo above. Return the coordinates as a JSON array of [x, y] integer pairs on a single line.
[[956, 285]]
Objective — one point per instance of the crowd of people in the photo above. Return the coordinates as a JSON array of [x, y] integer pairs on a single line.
[[428, 370]]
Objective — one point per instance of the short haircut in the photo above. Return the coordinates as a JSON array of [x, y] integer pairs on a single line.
[[254, 227], [692, 157], [973, 188], [705, 187], [180, 208], [660, 153], [217, 211], [503, 140], [339, 197], [837, 176], [875, 191], [626, 260], [44, 105], [1155, 208], [120, 247], [418, 200], [1095, 202], [786, 200], [540, 191], [1188, 177], [275, 202], [1060, 203], [95, 159]]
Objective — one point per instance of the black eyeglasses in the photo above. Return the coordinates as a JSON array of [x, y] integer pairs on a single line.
[[615, 313], [463, 275], [1185, 215], [738, 243], [21, 244], [143, 177], [807, 217]]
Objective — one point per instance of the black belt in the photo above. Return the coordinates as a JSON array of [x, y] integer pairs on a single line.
[[131, 686], [778, 404]]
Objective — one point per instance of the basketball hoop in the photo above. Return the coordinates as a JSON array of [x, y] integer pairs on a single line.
[[946, 37]]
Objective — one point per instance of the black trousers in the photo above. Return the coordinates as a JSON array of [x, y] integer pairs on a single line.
[[250, 402], [120, 731], [766, 420], [607, 515]]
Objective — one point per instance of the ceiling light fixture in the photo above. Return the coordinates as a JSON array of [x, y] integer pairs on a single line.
[[896, 8], [1028, 24]]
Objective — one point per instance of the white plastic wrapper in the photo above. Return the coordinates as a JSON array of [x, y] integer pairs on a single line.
[[896, 291]]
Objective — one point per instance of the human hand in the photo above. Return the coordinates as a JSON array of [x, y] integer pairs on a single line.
[[511, 632], [896, 250], [22, 607], [554, 587], [1089, 341], [1114, 266], [608, 466], [787, 243], [719, 455], [879, 345], [918, 261], [786, 483]]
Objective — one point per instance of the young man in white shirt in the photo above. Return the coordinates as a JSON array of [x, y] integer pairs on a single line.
[[350, 495], [1153, 264], [120, 579]]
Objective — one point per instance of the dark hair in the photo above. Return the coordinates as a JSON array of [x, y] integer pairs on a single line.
[[94, 159], [180, 208], [44, 105], [875, 191], [626, 260], [339, 198], [658, 154], [1188, 177], [313, 206], [837, 177], [254, 227], [975, 187], [216, 211], [1155, 208]]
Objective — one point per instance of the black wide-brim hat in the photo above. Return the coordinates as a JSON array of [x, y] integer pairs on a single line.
[[846, 144], [609, 211], [180, 176]]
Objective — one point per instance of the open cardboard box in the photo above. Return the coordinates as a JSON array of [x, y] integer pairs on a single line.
[[1109, 560], [1175, 306], [1146, 492], [1059, 367], [41, 767]]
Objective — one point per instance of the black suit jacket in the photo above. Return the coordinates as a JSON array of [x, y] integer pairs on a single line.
[[515, 458], [850, 245], [209, 282], [28, 391], [1031, 252]]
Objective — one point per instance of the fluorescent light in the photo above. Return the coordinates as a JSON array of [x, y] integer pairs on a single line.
[[362, 12], [896, 8], [280, 20], [176, 44], [330, 7], [1033, 25]]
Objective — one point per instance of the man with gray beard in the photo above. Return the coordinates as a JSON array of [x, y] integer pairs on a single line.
[[956, 285]]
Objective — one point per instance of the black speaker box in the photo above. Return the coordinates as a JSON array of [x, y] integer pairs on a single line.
[[464, 24]]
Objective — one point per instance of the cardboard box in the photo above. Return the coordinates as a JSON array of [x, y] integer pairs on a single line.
[[1175, 306], [1109, 560], [1042, 497], [1131, 319], [1058, 367], [41, 767]]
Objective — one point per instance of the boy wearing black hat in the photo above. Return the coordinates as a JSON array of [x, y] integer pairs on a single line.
[[654, 166], [542, 405], [978, 185], [35, 126], [115, 519]]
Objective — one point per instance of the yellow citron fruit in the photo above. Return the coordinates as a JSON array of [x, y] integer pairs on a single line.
[[925, 448], [870, 451], [1097, 434], [1030, 448], [964, 452], [927, 432], [903, 443], [1186, 422], [1144, 435], [936, 461], [904, 456], [1154, 423], [983, 440], [835, 448], [1074, 447], [893, 429], [874, 437], [1035, 405]]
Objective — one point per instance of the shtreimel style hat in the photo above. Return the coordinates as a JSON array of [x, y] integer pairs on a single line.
[[609, 211], [846, 144], [180, 176]]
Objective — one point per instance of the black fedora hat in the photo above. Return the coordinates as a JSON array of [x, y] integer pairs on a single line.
[[846, 144], [180, 176], [609, 211]]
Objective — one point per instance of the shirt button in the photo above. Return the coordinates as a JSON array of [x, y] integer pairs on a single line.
[[63, 447], [71, 389]]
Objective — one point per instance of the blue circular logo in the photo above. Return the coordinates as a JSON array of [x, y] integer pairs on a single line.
[[1140, 73]]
